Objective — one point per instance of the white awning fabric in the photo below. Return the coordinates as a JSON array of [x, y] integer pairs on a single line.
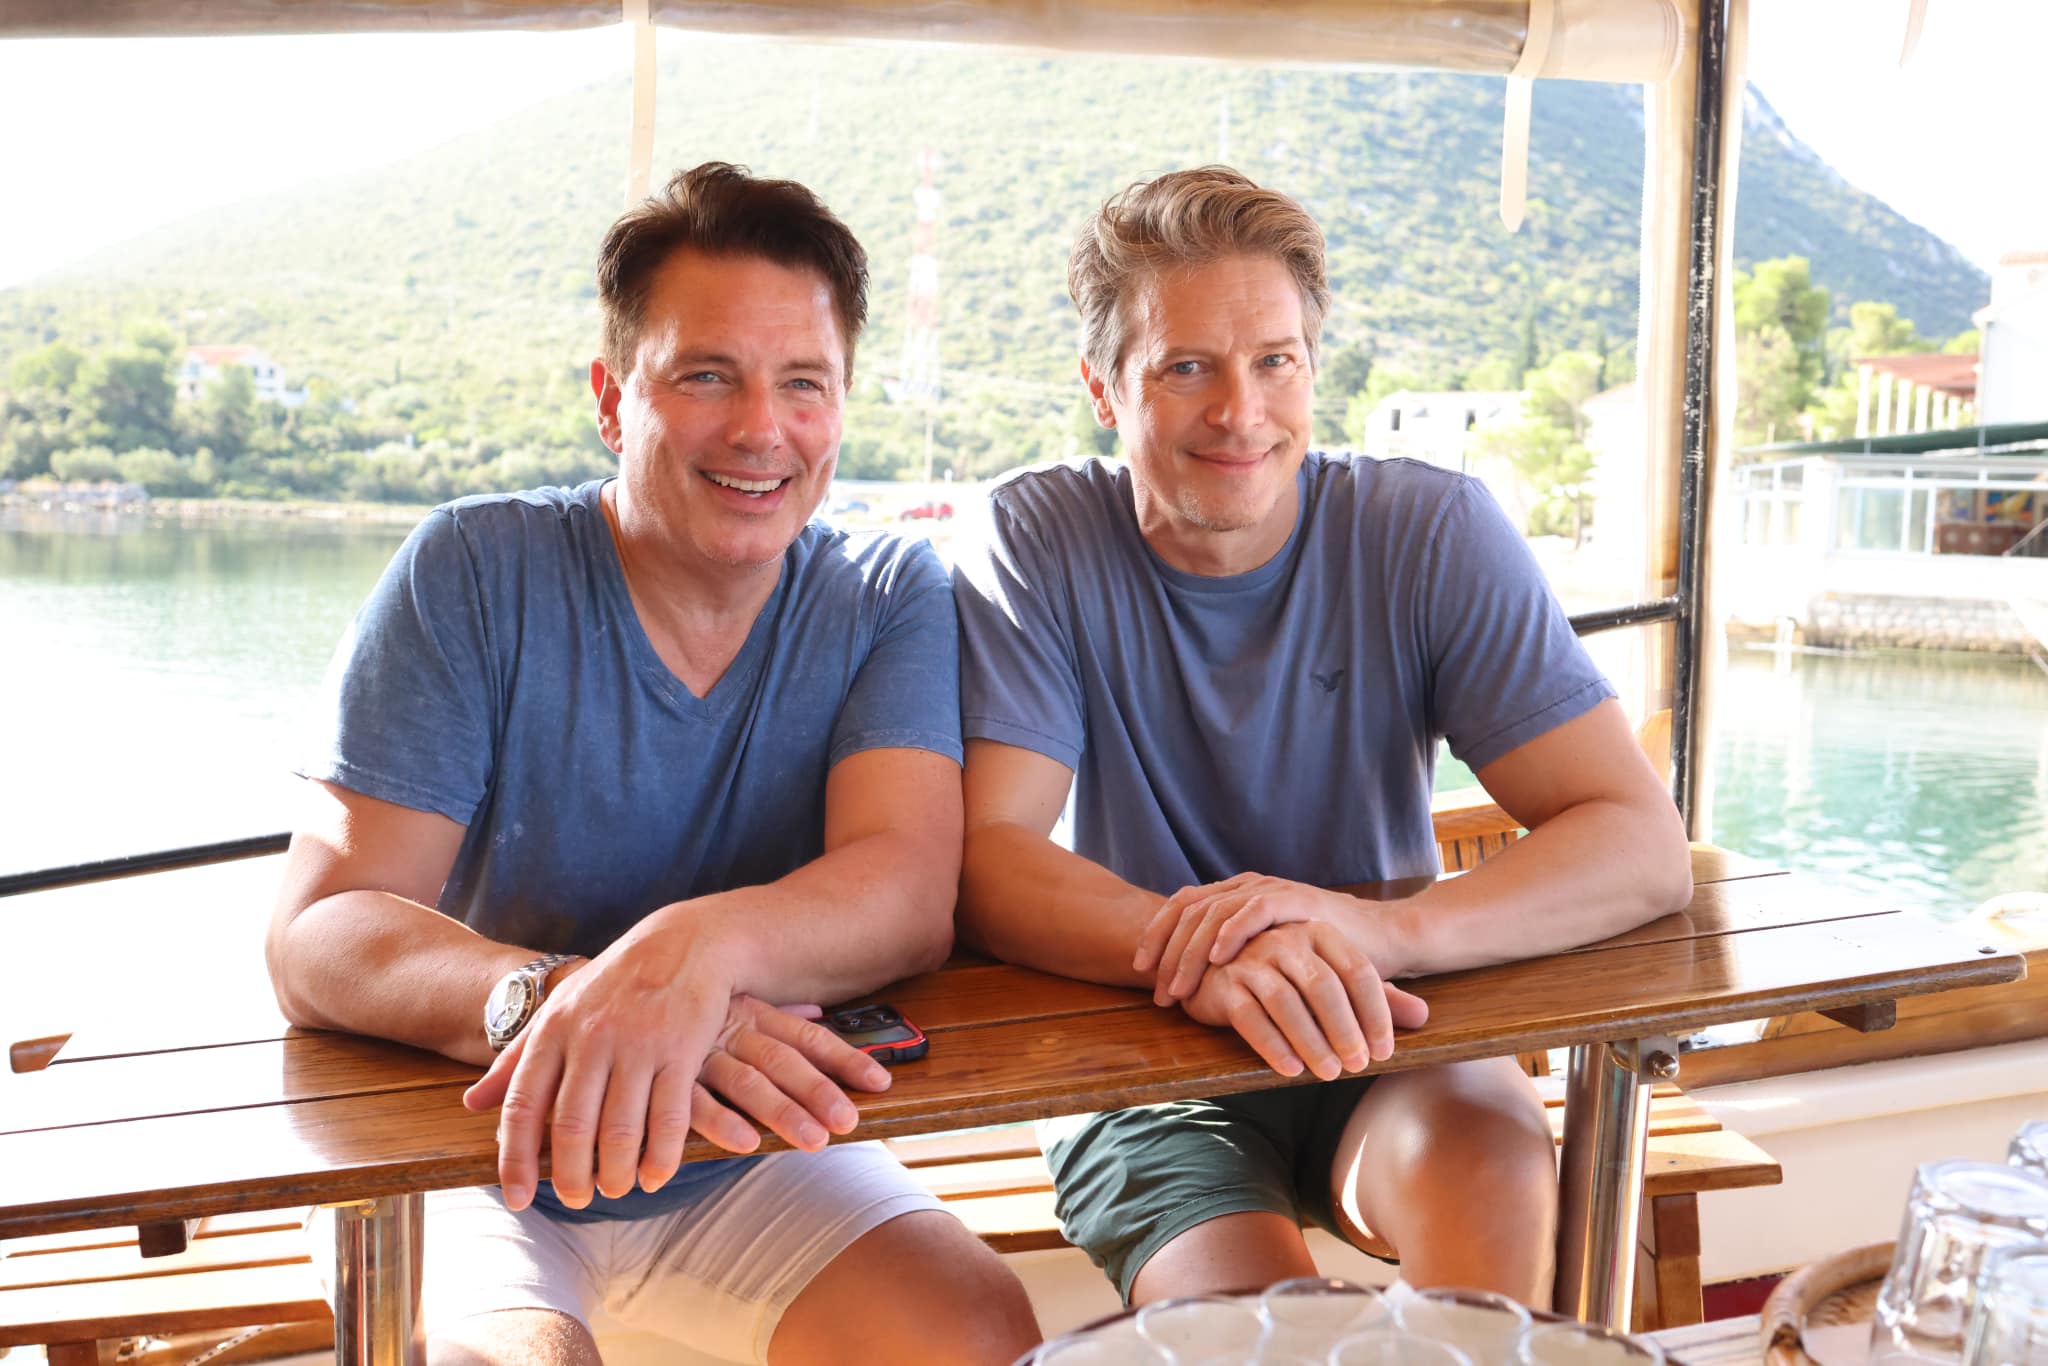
[[1593, 40]]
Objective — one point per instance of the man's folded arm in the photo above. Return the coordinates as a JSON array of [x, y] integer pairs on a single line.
[[1605, 852], [875, 907], [354, 941], [1022, 897]]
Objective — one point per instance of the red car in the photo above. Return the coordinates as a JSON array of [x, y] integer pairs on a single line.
[[927, 512]]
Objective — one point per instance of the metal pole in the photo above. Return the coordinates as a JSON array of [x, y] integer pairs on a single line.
[[1700, 359], [1600, 1177], [377, 1247]]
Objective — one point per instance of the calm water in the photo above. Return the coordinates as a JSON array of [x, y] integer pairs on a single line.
[[156, 680]]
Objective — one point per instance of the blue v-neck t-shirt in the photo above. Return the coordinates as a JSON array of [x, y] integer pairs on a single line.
[[1284, 720], [499, 675]]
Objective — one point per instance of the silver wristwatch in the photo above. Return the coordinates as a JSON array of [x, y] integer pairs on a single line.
[[516, 997]]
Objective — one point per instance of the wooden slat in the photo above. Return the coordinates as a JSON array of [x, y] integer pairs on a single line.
[[1012, 1223], [1711, 863], [33, 1055], [933, 1150], [131, 1086], [1721, 1160], [275, 1248], [1926, 1026], [178, 1304], [998, 993], [997, 1176], [218, 1226]]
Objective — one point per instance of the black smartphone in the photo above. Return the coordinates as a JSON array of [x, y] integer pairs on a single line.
[[880, 1032]]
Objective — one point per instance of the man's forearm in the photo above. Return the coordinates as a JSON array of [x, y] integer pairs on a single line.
[[1594, 870], [374, 963], [1026, 900], [869, 912]]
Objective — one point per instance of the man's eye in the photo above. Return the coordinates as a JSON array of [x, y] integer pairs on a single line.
[[702, 377], [1184, 367], [1276, 360], [810, 384]]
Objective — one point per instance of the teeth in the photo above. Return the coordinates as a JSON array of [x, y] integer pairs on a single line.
[[746, 485]]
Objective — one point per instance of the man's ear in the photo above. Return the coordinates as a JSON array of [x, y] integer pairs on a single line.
[[606, 387], [1098, 396]]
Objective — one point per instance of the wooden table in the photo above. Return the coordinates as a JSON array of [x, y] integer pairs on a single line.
[[229, 1110]]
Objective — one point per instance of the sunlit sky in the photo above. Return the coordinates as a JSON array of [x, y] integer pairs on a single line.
[[101, 140]]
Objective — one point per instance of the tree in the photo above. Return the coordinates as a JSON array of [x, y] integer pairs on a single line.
[[1344, 372], [85, 465], [125, 395], [1782, 293], [1545, 445], [1558, 392], [1770, 390], [1877, 330], [227, 413]]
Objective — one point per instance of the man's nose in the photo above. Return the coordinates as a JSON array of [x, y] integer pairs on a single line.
[[1236, 403], [751, 423]]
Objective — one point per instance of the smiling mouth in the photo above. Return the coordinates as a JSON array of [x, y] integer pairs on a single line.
[[753, 488], [1235, 458]]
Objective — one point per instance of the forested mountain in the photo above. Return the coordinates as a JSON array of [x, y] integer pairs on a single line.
[[444, 305]]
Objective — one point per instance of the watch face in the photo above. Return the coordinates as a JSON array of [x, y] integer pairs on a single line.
[[508, 1005]]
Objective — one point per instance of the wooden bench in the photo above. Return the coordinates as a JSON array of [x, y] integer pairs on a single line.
[[73, 1293]]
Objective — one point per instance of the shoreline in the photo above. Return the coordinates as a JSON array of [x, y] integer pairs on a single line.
[[64, 504]]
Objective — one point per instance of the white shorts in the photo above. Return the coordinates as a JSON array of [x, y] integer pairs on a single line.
[[715, 1275]]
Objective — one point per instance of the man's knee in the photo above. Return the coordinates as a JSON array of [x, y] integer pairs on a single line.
[[514, 1337], [1470, 1134], [920, 1288]]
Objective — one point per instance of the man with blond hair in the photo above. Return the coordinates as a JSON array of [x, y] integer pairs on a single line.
[[611, 774], [1239, 656]]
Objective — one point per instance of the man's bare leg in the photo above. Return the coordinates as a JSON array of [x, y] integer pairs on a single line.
[[1453, 1169], [919, 1288], [1230, 1252], [514, 1337]]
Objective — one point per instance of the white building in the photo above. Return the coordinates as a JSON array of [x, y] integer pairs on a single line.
[[203, 364], [2013, 341], [1435, 427]]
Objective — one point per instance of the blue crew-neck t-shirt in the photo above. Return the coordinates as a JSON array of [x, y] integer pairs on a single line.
[[499, 675], [1282, 721]]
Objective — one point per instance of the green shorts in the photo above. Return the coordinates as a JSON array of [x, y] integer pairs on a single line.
[[1130, 1181]]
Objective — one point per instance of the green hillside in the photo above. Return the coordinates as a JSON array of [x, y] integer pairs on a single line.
[[444, 305]]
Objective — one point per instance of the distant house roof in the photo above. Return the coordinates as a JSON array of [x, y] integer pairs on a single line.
[[218, 356], [1955, 375], [1608, 398], [2005, 438], [2024, 258]]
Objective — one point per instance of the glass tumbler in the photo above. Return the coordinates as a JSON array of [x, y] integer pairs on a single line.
[[1480, 1324], [2029, 1150], [1584, 1344], [1392, 1347], [1098, 1347], [1308, 1315], [2009, 1321], [1200, 1328], [1956, 1215]]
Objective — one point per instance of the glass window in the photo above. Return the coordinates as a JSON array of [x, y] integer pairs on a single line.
[[1881, 518], [1916, 519]]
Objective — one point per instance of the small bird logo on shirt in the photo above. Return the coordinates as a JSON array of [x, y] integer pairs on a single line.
[[1328, 682]]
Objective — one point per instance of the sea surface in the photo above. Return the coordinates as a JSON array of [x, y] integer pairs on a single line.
[[155, 680]]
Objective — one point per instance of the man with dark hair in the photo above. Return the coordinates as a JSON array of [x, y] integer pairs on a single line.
[[1239, 656], [609, 777]]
